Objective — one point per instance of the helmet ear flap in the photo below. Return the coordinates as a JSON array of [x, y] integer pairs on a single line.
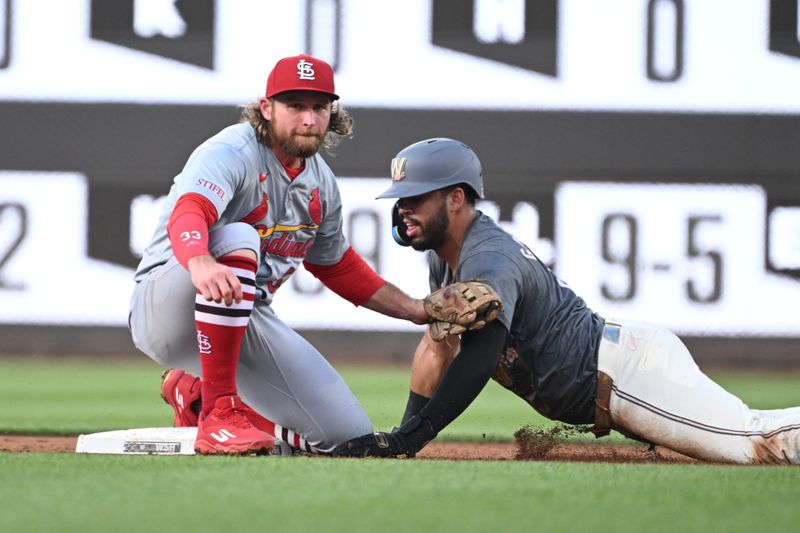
[[399, 227]]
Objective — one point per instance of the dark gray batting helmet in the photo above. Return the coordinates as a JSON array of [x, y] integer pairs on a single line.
[[434, 164]]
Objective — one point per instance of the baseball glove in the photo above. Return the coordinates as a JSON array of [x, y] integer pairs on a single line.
[[461, 306]]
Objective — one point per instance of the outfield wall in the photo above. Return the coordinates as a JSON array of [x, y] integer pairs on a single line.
[[645, 151]]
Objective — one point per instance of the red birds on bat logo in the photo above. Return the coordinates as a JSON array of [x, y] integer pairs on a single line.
[[315, 207]]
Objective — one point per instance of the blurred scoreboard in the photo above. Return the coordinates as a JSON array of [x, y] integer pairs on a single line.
[[692, 256], [645, 149]]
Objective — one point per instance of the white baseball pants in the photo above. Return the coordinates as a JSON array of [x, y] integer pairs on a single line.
[[660, 395]]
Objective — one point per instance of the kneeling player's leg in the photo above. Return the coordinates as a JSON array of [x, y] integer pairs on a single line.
[[224, 426], [220, 329], [288, 381], [162, 327], [163, 305], [161, 317]]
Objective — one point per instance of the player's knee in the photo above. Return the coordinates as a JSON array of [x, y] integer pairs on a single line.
[[246, 231], [236, 239], [359, 424], [161, 359], [243, 252], [144, 345]]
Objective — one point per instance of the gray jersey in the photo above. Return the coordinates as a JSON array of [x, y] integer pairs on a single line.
[[279, 374], [551, 328], [296, 220]]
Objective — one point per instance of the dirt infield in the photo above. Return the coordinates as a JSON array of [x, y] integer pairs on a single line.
[[460, 451]]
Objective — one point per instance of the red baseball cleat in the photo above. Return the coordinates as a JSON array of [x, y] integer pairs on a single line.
[[181, 391], [227, 430]]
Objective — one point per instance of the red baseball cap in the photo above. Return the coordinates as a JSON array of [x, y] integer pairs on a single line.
[[301, 73]]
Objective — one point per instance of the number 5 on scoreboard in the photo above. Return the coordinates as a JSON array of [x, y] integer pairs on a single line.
[[620, 248]]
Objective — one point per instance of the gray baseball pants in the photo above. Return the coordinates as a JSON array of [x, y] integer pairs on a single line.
[[280, 375]]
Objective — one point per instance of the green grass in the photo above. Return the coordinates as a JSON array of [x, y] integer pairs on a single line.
[[762, 390], [80, 396], [44, 492], [64, 492], [83, 396]]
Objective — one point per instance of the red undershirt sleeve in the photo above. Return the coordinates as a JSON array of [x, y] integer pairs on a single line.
[[188, 226], [351, 278]]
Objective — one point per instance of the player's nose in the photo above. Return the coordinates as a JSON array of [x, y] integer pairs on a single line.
[[309, 117]]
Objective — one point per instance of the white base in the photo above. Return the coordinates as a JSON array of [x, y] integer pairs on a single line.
[[142, 441]]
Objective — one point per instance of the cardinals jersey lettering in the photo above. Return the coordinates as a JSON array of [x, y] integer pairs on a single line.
[[296, 219]]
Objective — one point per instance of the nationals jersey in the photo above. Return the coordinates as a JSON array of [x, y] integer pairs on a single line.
[[550, 327], [297, 220]]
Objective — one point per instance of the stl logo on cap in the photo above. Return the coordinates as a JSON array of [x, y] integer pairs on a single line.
[[398, 168], [305, 70], [300, 73]]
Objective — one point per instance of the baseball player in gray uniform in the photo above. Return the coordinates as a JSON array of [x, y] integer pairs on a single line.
[[546, 345], [252, 204]]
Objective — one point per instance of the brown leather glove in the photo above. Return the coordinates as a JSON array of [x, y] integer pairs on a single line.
[[461, 306]]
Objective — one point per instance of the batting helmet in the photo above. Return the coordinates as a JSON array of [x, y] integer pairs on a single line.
[[434, 164]]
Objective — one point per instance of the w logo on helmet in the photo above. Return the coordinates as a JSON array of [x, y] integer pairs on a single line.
[[398, 168]]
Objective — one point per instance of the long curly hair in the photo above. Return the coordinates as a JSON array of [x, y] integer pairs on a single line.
[[339, 127]]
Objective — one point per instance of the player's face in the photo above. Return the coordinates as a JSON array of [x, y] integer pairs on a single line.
[[426, 220], [298, 122]]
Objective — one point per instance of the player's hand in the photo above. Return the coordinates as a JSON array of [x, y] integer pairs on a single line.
[[401, 442], [374, 445], [214, 280]]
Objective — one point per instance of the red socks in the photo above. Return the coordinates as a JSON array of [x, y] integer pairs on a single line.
[[220, 330]]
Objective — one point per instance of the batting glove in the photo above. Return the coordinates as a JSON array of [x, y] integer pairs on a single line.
[[402, 442]]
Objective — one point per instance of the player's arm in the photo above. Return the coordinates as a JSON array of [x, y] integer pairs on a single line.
[[355, 281], [391, 301], [431, 360], [188, 227], [463, 380], [466, 376]]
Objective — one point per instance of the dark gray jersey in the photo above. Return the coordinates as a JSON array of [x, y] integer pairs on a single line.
[[551, 328]]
